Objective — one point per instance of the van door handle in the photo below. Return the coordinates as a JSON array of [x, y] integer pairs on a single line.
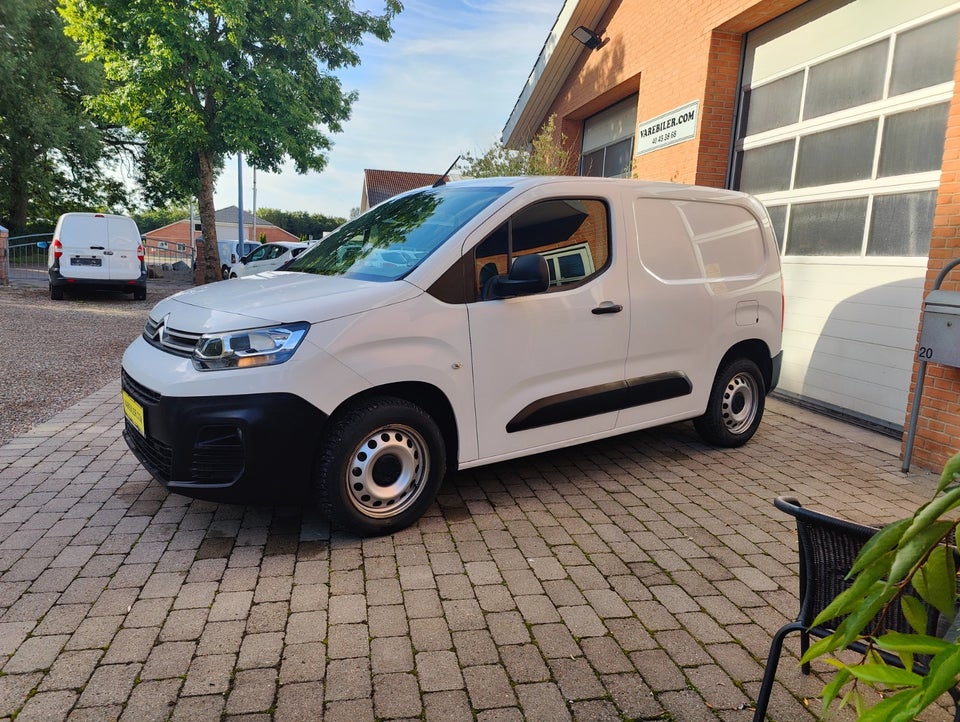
[[607, 307], [96, 248], [108, 253]]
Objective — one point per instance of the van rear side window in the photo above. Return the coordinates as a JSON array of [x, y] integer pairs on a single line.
[[695, 242]]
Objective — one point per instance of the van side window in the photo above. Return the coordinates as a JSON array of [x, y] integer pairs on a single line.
[[696, 242], [573, 235]]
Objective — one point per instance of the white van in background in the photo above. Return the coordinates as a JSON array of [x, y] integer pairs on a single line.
[[96, 250]]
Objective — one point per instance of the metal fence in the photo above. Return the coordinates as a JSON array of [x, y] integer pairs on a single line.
[[27, 262]]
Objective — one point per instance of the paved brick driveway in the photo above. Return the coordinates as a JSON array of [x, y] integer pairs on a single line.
[[639, 577]]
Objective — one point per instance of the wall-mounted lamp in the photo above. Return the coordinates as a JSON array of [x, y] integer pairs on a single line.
[[586, 36]]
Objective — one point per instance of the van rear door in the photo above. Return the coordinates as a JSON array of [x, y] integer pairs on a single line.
[[123, 242], [83, 237]]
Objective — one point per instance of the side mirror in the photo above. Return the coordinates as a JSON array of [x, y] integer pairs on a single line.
[[43, 244], [528, 275]]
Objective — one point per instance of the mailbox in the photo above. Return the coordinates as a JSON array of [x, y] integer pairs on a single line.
[[940, 333]]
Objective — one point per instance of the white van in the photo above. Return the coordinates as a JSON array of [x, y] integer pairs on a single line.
[[464, 325], [96, 250]]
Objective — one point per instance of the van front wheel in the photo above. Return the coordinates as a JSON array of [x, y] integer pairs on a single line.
[[379, 467], [735, 407]]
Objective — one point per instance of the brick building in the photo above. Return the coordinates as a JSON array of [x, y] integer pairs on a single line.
[[840, 115], [179, 232]]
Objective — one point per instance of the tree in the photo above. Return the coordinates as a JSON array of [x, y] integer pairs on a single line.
[[915, 552], [548, 155], [151, 220], [300, 223], [198, 80], [50, 149]]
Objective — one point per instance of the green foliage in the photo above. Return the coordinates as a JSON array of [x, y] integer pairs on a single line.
[[300, 223], [548, 155], [50, 149], [197, 80], [155, 218], [914, 554]]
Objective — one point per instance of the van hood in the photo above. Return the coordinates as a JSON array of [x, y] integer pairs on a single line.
[[276, 297]]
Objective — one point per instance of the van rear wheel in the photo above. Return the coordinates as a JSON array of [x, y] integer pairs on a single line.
[[379, 467], [735, 407], [56, 293]]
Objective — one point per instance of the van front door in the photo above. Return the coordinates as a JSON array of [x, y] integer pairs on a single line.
[[549, 367]]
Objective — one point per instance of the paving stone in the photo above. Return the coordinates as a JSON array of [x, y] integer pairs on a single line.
[[253, 690], [14, 689], [46, 706], [152, 701], [260, 650], [438, 671], [450, 706], [304, 701], [109, 684], [488, 687], [209, 675], [396, 695], [348, 679], [391, 654], [35, 653], [170, 659], [131, 645], [303, 662]]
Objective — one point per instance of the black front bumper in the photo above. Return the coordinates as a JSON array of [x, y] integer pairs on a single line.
[[250, 448]]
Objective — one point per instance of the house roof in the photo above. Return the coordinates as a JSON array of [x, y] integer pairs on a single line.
[[556, 60], [229, 215], [382, 184]]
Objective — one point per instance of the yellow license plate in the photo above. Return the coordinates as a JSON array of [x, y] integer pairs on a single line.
[[134, 412]]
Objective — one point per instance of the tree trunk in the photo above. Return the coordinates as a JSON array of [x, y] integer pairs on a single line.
[[208, 257]]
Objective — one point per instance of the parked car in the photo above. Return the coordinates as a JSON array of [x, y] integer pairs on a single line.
[[231, 252], [96, 250], [606, 306], [267, 257]]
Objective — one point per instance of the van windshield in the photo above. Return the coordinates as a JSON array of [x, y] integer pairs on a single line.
[[392, 239]]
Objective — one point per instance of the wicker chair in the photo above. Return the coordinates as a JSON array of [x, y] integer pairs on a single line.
[[828, 547]]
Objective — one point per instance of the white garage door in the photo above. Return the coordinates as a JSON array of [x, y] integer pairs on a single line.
[[842, 120]]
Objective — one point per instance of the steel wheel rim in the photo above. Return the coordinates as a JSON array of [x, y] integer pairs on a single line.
[[387, 471], [738, 408]]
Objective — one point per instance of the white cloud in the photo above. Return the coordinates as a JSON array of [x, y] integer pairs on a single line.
[[444, 84]]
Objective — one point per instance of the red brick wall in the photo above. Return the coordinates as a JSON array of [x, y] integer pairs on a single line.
[[672, 53], [938, 425]]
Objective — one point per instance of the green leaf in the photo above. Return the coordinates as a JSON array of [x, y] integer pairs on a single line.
[[914, 548], [930, 512], [912, 643], [879, 544], [944, 671], [950, 471], [914, 612], [832, 689], [897, 707], [851, 627], [885, 674], [936, 580]]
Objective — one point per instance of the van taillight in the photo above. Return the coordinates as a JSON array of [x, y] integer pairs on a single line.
[[233, 258], [140, 252], [57, 248]]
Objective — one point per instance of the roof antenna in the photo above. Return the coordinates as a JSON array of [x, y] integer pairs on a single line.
[[440, 181]]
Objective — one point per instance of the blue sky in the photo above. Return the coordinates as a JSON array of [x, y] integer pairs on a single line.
[[445, 83]]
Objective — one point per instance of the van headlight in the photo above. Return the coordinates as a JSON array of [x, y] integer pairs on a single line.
[[248, 348]]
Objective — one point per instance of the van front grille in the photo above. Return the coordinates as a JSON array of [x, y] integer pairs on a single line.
[[140, 393], [156, 456], [171, 340]]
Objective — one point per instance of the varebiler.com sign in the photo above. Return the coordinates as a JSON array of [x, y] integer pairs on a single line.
[[672, 127]]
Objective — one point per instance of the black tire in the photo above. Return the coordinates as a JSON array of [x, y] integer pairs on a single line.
[[224, 272], [736, 405], [233, 275], [56, 293], [139, 294], [379, 466]]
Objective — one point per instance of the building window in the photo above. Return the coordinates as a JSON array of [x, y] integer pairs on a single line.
[[846, 163], [608, 141]]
